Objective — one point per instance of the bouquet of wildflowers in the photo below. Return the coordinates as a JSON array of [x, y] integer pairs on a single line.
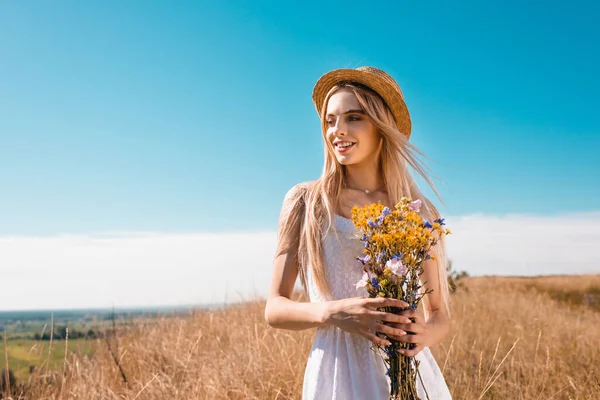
[[397, 242]]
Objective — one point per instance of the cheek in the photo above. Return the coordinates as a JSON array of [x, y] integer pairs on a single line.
[[328, 139], [370, 142], [374, 142]]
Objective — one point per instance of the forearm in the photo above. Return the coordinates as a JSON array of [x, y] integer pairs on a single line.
[[283, 313], [438, 326]]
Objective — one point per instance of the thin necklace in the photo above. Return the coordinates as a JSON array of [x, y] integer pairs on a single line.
[[367, 191]]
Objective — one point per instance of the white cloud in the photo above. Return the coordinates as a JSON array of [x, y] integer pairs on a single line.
[[525, 245], [149, 269], [133, 269]]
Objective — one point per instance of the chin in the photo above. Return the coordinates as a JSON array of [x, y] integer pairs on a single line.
[[346, 162], [343, 161]]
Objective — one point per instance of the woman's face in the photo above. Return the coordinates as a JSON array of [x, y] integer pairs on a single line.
[[347, 123]]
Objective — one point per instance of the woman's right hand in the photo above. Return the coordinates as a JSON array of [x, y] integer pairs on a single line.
[[359, 315]]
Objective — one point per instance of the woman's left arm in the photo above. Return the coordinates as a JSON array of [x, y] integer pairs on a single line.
[[431, 332]]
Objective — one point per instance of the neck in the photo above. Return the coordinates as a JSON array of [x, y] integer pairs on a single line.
[[363, 178]]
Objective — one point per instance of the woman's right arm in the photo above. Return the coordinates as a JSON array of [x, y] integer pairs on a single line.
[[281, 311]]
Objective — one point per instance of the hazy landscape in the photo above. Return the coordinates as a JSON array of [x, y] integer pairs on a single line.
[[511, 338]]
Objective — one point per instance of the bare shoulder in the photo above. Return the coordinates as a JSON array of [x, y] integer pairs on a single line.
[[297, 190]]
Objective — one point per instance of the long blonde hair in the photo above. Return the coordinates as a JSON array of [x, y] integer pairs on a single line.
[[311, 205]]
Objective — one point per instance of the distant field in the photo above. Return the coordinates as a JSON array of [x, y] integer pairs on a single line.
[[26, 353], [30, 322], [511, 338]]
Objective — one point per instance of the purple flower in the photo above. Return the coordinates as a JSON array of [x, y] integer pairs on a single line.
[[441, 221], [386, 211], [415, 205], [375, 223], [364, 259], [363, 281], [375, 283], [426, 224]]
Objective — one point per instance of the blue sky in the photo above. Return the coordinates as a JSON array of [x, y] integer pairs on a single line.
[[141, 139], [197, 116]]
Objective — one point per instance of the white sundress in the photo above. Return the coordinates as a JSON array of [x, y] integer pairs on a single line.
[[341, 365]]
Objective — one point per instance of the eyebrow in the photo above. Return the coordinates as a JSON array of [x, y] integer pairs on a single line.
[[357, 111]]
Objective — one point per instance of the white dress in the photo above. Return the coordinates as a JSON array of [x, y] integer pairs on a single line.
[[341, 365]]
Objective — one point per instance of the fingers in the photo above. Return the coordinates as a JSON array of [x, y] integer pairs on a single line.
[[373, 338], [412, 352], [396, 337], [409, 313], [414, 328], [417, 323], [378, 302], [389, 317], [409, 338], [388, 330]]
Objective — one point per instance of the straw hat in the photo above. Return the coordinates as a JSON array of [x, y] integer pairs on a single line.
[[373, 78]]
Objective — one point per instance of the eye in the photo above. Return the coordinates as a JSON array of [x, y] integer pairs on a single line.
[[329, 122], [354, 118]]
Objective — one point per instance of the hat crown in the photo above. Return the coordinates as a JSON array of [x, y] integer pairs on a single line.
[[382, 74]]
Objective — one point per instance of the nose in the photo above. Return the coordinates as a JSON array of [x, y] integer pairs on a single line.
[[338, 128]]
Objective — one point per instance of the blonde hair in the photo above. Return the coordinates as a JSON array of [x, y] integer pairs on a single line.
[[307, 207]]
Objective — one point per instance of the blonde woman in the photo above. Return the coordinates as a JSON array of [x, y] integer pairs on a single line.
[[366, 128]]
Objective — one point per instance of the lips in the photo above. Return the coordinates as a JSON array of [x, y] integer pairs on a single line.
[[345, 149]]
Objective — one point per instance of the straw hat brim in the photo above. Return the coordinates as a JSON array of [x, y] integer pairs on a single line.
[[386, 89]]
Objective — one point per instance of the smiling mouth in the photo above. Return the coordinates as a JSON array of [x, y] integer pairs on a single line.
[[344, 145]]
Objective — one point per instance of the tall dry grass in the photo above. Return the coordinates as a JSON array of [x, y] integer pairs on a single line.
[[510, 339], [557, 351]]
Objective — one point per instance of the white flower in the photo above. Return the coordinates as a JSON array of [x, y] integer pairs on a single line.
[[363, 281], [395, 265]]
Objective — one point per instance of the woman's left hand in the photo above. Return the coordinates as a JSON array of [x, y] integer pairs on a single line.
[[416, 333]]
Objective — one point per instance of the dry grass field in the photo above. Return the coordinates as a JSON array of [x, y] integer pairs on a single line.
[[511, 338]]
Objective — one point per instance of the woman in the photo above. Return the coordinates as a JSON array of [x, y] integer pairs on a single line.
[[366, 127]]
